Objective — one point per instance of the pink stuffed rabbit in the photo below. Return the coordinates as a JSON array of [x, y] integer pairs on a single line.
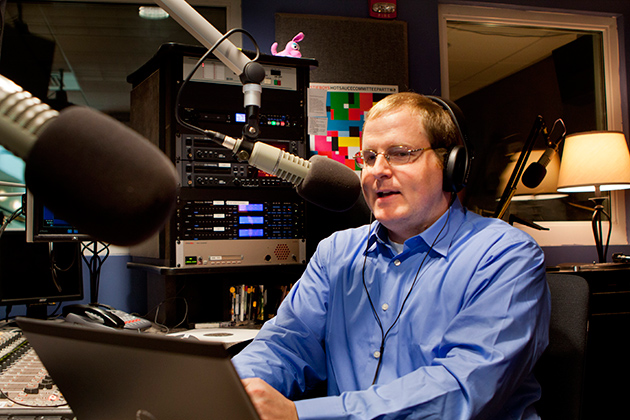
[[292, 49]]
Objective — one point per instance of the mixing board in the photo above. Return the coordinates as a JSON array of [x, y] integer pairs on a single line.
[[28, 392]]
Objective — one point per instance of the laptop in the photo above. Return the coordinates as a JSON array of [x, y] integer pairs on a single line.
[[127, 375]]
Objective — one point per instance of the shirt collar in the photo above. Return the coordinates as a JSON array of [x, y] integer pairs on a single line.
[[446, 227]]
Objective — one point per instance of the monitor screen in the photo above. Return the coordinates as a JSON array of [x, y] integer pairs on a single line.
[[43, 226], [38, 273]]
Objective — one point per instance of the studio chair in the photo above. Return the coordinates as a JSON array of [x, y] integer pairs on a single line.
[[561, 368]]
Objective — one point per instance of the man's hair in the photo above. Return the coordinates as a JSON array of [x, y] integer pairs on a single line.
[[441, 129]]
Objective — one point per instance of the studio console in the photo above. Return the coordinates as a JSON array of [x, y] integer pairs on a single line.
[[27, 389]]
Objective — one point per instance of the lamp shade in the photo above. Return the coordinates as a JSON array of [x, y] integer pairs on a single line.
[[546, 190], [594, 161]]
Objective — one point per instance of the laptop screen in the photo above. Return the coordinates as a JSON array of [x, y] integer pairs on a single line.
[[118, 374]]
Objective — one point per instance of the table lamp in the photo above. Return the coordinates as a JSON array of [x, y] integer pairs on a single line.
[[595, 161]]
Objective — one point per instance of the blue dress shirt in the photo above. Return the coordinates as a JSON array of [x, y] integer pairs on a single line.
[[469, 334]]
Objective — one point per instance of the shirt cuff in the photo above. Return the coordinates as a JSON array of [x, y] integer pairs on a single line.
[[320, 408]]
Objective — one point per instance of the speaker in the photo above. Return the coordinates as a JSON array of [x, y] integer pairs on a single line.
[[458, 158]]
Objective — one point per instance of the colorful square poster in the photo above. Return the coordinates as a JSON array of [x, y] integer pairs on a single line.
[[336, 115]]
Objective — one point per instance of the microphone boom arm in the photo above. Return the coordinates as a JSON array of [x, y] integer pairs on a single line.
[[204, 32], [510, 189]]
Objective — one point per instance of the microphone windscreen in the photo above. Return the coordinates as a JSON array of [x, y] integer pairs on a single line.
[[102, 177], [330, 184], [534, 175]]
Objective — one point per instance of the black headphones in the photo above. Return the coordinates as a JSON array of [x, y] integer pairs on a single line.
[[458, 159]]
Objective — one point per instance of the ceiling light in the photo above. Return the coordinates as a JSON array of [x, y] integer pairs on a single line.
[[152, 13]]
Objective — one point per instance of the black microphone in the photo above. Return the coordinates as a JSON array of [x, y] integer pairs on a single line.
[[320, 180], [89, 169], [535, 172], [330, 184]]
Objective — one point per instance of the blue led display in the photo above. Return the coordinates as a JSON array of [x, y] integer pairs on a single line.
[[250, 207], [250, 233], [251, 220]]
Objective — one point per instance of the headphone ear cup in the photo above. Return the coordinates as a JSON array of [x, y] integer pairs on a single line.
[[455, 169]]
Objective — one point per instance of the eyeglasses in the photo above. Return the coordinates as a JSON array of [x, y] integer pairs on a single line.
[[397, 155]]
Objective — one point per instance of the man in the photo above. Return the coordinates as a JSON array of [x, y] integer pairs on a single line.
[[429, 312]]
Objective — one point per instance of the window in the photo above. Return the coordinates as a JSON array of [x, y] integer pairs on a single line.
[[496, 65]]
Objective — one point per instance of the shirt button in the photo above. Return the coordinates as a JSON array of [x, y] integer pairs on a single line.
[[397, 263], [377, 354], [385, 306]]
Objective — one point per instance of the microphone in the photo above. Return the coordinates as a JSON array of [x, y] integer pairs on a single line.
[[89, 169], [320, 180], [535, 172]]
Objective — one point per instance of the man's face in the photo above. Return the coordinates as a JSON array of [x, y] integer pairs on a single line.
[[405, 198]]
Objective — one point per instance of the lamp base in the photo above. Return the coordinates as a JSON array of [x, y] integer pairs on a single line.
[[596, 222]]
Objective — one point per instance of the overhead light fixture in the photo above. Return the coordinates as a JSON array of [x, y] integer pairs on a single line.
[[595, 161], [152, 13]]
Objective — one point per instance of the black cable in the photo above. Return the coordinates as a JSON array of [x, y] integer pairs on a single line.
[[8, 220], [209, 133], [54, 313], [54, 268], [402, 307], [5, 395], [157, 307]]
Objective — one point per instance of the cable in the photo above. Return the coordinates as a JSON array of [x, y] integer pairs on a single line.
[[54, 312], [54, 268], [6, 395], [157, 307], [402, 307], [209, 133], [9, 219]]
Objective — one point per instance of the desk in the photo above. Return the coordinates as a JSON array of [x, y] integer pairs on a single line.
[[607, 360]]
